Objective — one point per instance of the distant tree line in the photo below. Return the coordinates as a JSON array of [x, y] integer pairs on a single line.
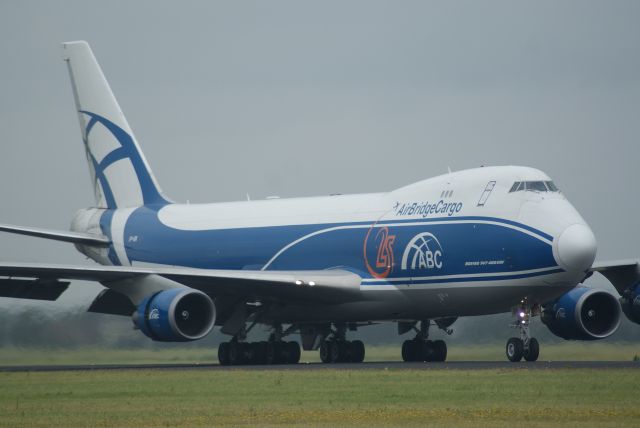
[[33, 327]]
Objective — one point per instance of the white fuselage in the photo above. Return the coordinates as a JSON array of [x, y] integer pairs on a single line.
[[457, 244]]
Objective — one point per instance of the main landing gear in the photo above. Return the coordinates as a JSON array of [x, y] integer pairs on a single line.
[[336, 349], [274, 351], [525, 346], [422, 349]]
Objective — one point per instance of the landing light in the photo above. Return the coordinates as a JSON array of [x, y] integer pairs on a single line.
[[298, 282], [312, 283], [522, 314]]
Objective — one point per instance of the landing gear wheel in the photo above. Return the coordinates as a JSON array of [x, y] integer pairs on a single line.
[[439, 351], [357, 351], [274, 352], [338, 352], [257, 353], [223, 354], [325, 352], [408, 350], [532, 353], [261, 352], [235, 353], [515, 349], [426, 351], [293, 352]]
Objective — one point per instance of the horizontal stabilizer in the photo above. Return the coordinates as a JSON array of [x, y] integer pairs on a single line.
[[73, 237]]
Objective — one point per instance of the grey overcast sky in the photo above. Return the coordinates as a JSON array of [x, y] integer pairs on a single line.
[[298, 98]]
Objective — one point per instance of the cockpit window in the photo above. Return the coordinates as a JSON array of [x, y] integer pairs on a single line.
[[536, 186], [551, 186]]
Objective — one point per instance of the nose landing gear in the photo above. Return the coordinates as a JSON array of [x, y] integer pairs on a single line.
[[525, 346]]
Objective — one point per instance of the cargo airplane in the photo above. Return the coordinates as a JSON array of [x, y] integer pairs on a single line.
[[467, 243]]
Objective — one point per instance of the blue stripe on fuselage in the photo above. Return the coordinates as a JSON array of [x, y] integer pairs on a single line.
[[105, 226], [422, 281], [468, 246]]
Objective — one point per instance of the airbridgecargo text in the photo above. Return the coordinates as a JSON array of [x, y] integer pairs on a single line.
[[425, 209]]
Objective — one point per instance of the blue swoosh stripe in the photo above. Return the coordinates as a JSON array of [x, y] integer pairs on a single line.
[[465, 279]]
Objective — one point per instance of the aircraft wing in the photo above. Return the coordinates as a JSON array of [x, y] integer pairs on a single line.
[[73, 237], [621, 273], [137, 283]]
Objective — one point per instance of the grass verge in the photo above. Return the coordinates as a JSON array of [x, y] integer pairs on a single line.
[[588, 398], [569, 351]]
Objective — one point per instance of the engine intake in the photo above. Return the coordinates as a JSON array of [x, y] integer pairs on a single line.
[[583, 314], [176, 315]]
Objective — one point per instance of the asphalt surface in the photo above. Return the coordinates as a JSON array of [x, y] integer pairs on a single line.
[[391, 365]]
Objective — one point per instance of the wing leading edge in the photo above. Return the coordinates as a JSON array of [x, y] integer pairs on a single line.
[[137, 283]]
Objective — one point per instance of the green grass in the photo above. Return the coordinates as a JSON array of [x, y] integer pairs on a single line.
[[457, 352], [586, 398]]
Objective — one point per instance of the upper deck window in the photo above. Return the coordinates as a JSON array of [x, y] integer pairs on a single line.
[[536, 186]]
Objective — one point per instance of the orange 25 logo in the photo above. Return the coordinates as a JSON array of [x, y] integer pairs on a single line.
[[382, 248]]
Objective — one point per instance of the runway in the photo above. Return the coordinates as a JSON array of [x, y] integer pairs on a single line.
[[390, 365]]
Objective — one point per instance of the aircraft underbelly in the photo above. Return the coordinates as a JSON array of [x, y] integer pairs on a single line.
[[411, 304]]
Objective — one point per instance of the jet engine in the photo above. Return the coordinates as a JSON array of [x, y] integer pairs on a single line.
[[583, 314], [176, 315], [630, 302]]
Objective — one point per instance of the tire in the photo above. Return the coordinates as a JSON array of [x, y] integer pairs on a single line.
[[338, 352], [357, 351], [515, 349], [235, 353], [426, 351], [223, 353], [439, 351], [293, 353], [274, 353], [532, 353], [347, 351], [260, 352], [253, 353], [407, 351], [246, 353], [325, 352]]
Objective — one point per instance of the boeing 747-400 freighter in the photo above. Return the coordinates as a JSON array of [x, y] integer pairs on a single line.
[[475, 242]]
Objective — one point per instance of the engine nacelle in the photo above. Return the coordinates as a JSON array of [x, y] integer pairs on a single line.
[[630, 302], [583, 314], [176, 315]]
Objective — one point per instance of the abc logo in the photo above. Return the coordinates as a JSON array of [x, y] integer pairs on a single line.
[[422, 252]]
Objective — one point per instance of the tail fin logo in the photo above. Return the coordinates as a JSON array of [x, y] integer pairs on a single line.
[[117, 188]]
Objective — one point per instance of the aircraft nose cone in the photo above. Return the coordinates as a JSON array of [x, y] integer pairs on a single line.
[[576, 248]]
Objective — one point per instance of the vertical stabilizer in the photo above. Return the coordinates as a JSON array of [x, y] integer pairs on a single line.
[[120, 174]]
